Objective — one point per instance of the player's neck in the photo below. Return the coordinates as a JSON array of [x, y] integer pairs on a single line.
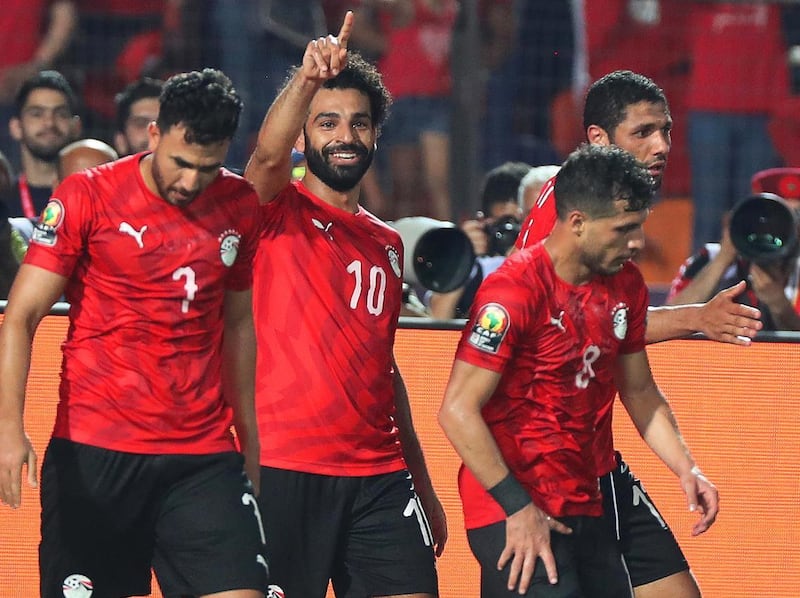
[[566, 259], [38, 172], [344, 200]]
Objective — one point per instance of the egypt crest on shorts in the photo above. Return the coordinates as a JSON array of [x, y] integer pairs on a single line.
[[490, 327]]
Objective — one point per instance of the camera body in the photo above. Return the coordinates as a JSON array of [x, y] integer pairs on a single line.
[[764, 229], [501, 234]]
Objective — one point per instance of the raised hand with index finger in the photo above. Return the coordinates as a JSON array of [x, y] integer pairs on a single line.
[[325, 57]]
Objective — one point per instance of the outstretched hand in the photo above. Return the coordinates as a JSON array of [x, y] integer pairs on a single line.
[[325, 57], [724, 320]]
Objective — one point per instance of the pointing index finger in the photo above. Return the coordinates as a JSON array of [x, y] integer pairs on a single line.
[[347, 27]]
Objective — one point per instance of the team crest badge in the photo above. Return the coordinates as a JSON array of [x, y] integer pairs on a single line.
[[490, 327], [77, 586], [44, 231], [229, 247], [619, 319], [394, 260]]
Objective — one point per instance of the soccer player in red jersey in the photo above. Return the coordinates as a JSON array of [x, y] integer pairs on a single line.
[[630, 111], [154, 254], [553, 334], [337, 440]]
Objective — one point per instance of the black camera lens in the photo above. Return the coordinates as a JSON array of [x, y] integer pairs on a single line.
[[502, 234], [763, 228]]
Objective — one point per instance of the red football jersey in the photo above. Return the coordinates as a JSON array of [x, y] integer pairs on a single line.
[[327, 296], [541, 219], [556, 346], [141, 367]]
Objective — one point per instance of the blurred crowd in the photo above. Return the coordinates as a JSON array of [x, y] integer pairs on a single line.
[[476, 84]]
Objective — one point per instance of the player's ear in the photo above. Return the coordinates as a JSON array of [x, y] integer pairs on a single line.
[[577, 222], [597, 135]]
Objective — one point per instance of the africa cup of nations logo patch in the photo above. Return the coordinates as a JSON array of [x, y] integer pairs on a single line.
[[490, 327], [229, 246], [619, 320], [44, 231]]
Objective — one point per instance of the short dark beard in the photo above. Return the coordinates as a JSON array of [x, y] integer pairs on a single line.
[[45, 154], [338, 178]]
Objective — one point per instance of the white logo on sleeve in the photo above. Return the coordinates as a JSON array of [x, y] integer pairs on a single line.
[[128, 229], [77, 586]]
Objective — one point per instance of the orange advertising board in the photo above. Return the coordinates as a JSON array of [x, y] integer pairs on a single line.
[[737, 408]]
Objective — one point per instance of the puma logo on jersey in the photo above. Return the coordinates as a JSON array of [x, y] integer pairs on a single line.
[[557, 322], [126, 228], [326, 228]]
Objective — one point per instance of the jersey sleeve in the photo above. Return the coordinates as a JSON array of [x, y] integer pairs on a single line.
[[60, 235], [499, 317], [637, 318], [541, 219], [240, 277]]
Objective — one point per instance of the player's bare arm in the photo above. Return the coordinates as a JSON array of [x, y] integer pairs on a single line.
[[527, 529], [270, 166], [415, 460], [653, 418], [238, 377], [31, 297], [720, 319]]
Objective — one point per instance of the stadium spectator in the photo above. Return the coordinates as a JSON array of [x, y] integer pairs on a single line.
[[82, 154], [35, 34], [137, 107], [45, 120]]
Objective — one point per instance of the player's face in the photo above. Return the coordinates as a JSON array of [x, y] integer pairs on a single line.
[[181, 171], [135, 138], [45, 124], [646, 134], [611, 241], [339, 137]]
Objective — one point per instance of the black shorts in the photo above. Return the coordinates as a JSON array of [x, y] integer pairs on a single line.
[[650, 550], [368, 535], [108, 517], [588, 562]]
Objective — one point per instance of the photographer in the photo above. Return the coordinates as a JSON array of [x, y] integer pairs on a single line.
[[492, 232], [771, 271]]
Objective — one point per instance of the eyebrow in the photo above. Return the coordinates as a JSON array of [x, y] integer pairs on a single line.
[[184, 164], [324, 115]]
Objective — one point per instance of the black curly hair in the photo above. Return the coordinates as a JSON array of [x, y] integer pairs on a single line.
[[205, 102], [593, 177]]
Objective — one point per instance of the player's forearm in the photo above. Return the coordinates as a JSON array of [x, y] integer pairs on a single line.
[[409, 442], [653, 418], [16, 340], [474, 443], [269, 167], [668, 322]]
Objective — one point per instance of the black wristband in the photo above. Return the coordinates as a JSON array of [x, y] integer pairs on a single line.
[[510, 495]]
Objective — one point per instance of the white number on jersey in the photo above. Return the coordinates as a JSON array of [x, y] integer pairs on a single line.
[[190, 287], [376, 294], [583, 377]]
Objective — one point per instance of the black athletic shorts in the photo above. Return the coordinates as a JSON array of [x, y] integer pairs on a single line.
[[588, 562], [108, 517], [650, 550], [368, 535]]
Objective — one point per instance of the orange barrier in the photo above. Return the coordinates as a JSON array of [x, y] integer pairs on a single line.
[[736, 406]]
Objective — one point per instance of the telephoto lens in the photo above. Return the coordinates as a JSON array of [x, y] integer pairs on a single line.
[[763, 228]]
